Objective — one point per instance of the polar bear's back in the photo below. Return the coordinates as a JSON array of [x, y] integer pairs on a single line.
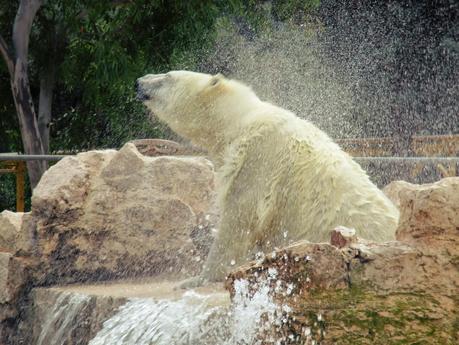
[[305, 185], [331, 190]]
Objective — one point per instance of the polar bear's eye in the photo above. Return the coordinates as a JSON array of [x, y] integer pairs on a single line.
[[214, 81]]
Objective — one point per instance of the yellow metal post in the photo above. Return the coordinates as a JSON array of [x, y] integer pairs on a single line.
[[20, 186]]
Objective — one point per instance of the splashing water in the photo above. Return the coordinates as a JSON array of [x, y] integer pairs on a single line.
[[379, 69], [195, 319], [253, 315], [146, 321]]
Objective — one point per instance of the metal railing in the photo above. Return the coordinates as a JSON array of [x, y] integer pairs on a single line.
[[441, 150], [13, 163]]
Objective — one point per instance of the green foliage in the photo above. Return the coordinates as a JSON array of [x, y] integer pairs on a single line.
[[116, 45], [99, 49], [8, 192], [123, 119], [113, 46]]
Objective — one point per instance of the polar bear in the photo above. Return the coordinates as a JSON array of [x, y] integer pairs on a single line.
[[279, 178]]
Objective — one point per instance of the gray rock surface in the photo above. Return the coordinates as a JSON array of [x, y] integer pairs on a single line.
[[107, 214]]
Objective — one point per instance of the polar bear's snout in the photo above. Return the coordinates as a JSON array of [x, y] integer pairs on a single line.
[[147, 84], [141, 94]]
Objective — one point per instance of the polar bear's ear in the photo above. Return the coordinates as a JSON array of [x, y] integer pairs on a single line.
[[216, 79]]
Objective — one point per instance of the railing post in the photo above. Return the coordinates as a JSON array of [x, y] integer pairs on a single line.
[[20, 186]]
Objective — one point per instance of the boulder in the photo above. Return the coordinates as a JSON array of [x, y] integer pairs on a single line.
[[115, 214]]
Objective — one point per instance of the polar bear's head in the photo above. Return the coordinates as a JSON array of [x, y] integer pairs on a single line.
[[201, 107]]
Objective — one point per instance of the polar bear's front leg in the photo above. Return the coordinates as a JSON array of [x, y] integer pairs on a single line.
[[229, 248]]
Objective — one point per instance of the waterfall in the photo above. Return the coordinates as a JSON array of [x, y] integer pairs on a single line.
[[146, 321], [194, 319], [62, 318]]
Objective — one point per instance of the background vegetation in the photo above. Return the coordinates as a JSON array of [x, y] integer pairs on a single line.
[[386, 55]]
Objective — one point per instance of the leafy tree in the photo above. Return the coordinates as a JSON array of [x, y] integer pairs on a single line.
[[84, 56], [83, 59]]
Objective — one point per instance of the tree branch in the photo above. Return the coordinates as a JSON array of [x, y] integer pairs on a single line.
[[6, 53], [23, 25]]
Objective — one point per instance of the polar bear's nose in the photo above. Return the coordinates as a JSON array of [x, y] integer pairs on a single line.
[[141, 94]]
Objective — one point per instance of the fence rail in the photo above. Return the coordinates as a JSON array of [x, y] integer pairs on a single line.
[[365, 150], [18, 157]]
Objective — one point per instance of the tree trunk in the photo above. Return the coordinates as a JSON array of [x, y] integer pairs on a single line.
[[28, 122], [47, 83], [48, 80], [16, 62]]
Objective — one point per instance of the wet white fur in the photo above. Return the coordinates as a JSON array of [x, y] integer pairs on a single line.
[[280, 178]]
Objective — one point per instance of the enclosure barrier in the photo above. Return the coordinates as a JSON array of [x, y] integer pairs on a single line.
[[13, 163], [435, 156]]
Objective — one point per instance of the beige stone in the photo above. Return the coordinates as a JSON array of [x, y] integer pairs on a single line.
[[5, 295], [13, 276], [63, 187], [306, 265], [113, 214]]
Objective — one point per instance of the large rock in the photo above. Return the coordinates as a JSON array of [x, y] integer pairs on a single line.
[[108, 214], [13, 276], [15, 271], [397, 292]]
